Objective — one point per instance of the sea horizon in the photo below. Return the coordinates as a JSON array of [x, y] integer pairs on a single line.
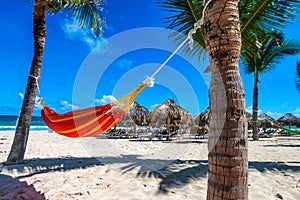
[[8, 123]]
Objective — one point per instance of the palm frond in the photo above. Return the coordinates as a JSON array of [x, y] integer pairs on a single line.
[[248, 62], [257, 18], [288, 47], [87, 13], [267, 14], [184, 15], [260, 16], [269, 53]]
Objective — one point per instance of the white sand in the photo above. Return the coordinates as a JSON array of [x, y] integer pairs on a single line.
[[65, 168]]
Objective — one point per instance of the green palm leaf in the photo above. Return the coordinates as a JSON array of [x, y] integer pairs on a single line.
[[184, 15], [87, 13], [257, 18], [269, 52], [267, 14]]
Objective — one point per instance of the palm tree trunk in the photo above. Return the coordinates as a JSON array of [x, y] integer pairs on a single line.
[[255, 107], [18, 148], [228, 156]]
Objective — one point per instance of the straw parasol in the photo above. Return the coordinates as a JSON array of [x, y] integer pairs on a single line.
[[265, 121], [139, 114], [136, 114], [289, 120], [202, 121], [249, 120], [171, 116]]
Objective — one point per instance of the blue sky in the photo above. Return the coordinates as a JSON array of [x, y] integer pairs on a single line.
[[69, 51]]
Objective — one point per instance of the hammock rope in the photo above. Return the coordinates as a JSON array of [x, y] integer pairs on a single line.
[[95, 120], [36, 78]]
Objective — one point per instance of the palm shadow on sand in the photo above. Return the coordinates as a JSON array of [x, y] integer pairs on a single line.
[[173, 173]]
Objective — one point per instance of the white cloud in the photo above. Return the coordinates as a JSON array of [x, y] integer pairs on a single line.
[[153, 106], [124, 64], [249, 110], [21, 95], [106, 99], [66, 106], [37, 103], [275, 115], [297, 112], [74, 32]]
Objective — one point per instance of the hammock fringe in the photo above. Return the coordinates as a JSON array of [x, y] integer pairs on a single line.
[[91, 121]]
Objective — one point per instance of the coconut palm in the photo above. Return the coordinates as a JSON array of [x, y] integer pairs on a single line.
[[87, 14], [227, 122], [267, 54], [298, 75], [224, 26]]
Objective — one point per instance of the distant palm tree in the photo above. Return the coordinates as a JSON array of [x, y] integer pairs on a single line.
[[87, 14], [298, 75], [263, 59]]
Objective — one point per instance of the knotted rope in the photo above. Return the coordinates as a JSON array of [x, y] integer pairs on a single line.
[[150, 80]]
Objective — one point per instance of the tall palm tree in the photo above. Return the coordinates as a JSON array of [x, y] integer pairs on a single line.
[[87, 14], [228, 156], [257, 18], [263, 59], [221, 35], [298, 75]]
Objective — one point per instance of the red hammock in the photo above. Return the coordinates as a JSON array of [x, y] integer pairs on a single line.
[[82, 123], [91, 121]]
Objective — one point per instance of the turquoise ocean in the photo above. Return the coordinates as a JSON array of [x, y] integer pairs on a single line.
[[8, 123]]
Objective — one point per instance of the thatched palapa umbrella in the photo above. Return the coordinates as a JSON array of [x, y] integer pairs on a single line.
[[171, 116], [249, 120], [186, 119], [139, 114], [289, 120], [265, 121], [136, 115], [202, 121]]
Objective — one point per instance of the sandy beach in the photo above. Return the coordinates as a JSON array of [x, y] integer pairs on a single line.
[[100, 168]]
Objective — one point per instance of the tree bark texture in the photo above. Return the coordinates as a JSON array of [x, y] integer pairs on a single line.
[[18, 148], [228, 154], [255, 107]]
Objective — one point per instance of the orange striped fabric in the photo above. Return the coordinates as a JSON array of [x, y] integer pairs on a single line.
[[91, 121], [86, 122]]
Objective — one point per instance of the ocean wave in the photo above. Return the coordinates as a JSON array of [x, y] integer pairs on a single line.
[[33, 128]]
